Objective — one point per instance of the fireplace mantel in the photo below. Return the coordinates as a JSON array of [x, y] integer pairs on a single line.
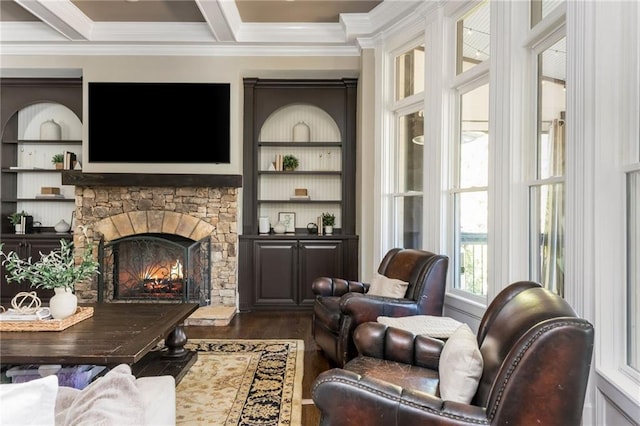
[[78, 178]]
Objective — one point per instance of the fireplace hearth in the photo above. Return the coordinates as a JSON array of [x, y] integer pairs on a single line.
[[155, 268]]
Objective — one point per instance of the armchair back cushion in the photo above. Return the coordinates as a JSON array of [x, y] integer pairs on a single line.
[[387, 287]]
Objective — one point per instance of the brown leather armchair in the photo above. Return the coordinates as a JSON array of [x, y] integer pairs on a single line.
[[342, 305], [536, 353]]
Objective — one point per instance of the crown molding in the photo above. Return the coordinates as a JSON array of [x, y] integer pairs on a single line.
[[233, 49]]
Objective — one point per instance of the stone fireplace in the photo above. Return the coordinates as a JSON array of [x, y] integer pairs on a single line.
[[196, 215]]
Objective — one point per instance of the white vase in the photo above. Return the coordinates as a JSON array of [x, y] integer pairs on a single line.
[[328, 230], [63, 303]]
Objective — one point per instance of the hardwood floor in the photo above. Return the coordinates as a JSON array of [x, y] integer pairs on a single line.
[[276, 325]]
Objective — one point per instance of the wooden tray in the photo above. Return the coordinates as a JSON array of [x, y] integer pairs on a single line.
[[48, 325]]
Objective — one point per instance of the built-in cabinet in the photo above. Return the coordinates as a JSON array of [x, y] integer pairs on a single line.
[[282, 268], [315, 121]]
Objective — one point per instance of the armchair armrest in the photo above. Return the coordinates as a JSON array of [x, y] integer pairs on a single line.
[[363, 308], [394, 344], [373, 402], [326, 286]]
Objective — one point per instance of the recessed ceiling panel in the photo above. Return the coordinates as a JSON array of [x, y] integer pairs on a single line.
[[140, 10]]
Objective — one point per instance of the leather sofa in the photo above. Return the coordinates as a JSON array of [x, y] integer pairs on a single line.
[[341, 305], [536, 356]]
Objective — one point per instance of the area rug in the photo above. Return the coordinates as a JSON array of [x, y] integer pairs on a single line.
[[242, 382]]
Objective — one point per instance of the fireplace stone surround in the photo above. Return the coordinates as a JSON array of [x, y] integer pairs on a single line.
[[107, 209]]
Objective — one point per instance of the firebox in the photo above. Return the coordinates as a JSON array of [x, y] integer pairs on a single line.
[[154, 268]]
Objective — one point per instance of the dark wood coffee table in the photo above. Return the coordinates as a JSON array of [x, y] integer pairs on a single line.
[[116, 333]]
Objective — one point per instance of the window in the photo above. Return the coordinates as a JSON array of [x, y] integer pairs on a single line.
[[633, 269], [473, 38], [547, 197], [407, 197], [470, 192], [405, 201], [540, 9], [469, 167], [409, 72]]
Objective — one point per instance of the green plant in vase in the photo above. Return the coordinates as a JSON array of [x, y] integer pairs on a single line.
[[16, 220], [58, 160], [289, 162], [328, 222], [56, 270]]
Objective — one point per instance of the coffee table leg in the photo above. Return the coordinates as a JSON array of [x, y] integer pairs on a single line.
[[175, 342]]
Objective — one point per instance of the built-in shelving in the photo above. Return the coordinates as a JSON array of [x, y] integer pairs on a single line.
[[276, 269], [25, 163]]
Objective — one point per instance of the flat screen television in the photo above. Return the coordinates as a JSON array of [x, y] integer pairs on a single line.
[[166, 123]]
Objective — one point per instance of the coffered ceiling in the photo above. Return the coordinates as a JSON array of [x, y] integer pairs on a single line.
[[77, 24]]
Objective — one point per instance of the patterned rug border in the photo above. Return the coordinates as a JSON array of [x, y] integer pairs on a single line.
[[248, 399]]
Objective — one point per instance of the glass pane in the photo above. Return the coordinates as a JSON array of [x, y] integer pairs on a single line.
[[633, 281], [541, 8], [410, 73], [551, 111], [409, 152], [471, 240], [473, 40], [547, 235], [474, 138], [408, 223]]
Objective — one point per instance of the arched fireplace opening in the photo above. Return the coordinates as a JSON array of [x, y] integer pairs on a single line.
[[155, 268]]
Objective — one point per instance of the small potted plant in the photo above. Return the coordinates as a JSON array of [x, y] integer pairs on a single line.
[[289, 163], [16, 221], [56, 270], [58, 160], [328, 222]]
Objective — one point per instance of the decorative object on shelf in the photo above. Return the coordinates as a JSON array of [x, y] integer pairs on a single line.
[[288, 219], [279, 228], [328, 222], [49, 190], [58, 161], [312, 228], [62, 227], [50, 131], [300, 194], [17, 221], [289, 163], [55, 270], [301, 132], [263, 225]]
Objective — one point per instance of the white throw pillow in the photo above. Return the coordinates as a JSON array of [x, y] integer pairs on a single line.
[[427, 325], [460, 366], [29, 403], [113, 399], [387, 287]]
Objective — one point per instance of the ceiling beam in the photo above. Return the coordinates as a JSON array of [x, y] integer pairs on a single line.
[[61, 15], [213, 13]]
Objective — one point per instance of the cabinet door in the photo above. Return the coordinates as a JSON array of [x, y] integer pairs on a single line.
[[25, 248], [318, 259], [275, 273]]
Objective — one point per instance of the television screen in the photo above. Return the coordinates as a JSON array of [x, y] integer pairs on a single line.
[[159, 123]]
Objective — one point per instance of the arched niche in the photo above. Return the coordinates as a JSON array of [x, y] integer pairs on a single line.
[[20, 93], [278, 127]]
